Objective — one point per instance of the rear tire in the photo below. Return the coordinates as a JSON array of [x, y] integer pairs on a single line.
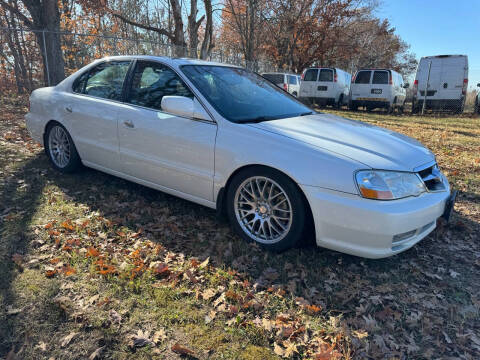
[[265, 206], [339, 104], [60, 149], [477, 106]]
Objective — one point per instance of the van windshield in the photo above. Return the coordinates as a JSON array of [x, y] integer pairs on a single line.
[[242, 96], [380, 77], [363, 77], [326, 75]]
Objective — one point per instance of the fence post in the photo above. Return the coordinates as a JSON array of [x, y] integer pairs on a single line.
[[426, 87], [46, 57]]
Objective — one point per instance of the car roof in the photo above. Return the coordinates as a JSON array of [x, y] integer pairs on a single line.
[[167, 60]]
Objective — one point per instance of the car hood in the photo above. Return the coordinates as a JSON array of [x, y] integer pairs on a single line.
[[373, 146]]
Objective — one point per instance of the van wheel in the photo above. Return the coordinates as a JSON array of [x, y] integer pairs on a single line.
[[352, 106], [477, 107], [414, 107], [295, 94], [339, 104], [401, 109]]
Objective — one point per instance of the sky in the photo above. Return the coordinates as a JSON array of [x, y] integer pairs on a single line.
[[438, 27]]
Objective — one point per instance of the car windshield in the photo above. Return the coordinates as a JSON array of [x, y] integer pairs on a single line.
[[242, 96]]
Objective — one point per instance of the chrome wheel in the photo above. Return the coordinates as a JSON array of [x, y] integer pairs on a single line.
[[59, 146], [263, 209]]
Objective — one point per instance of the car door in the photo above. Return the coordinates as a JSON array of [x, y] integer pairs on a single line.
[[361, 86], [381, 89], [324, 87], [90, 113], [308, 83], [167, 150]]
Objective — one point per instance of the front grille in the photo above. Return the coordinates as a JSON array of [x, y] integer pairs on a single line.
[[432, 178]]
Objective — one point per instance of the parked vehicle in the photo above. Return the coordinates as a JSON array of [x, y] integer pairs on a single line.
[[325, 86], [288, 82], [477, 101], [447, 84], [226, 138], [378, 88]]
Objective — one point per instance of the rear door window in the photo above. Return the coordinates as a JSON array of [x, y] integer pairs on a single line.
[[292, 79], [363, 77], [274, 78], [326, 75], [311, 75], [105, 80], [380, 77]]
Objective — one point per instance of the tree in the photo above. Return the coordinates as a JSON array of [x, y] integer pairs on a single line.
[[43, 17]]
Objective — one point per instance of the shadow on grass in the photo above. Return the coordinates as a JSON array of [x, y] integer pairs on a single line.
[[339, 282]]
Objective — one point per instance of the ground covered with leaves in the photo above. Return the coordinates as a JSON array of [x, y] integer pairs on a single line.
[[96, 267]]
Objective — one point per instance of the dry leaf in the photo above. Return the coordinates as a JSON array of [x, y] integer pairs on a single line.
[[96, 354], [182, 350], [67, 339], [208, 294], [159, 336]]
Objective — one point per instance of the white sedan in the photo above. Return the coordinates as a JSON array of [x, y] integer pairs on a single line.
[[226, 138]]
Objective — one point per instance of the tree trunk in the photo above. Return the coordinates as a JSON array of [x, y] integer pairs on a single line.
[[178, 40], [207, 43]]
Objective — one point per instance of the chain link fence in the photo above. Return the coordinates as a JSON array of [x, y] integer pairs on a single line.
[[24, 59]]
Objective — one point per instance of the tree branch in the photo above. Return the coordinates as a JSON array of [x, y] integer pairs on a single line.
[[140, 25], [17, 12]]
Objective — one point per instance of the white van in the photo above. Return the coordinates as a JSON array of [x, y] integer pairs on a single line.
[[378, 88], [447, 85], [325, 86], [288, 82]]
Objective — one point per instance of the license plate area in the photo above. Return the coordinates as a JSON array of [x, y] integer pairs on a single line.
[[376, 91], [322, 88]]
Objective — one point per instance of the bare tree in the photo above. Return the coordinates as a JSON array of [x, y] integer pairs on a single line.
[[44, 18]]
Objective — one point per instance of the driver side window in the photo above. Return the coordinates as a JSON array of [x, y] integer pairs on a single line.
[[152, 81]]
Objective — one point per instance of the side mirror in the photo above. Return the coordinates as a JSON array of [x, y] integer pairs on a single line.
[[406, 85], [185, 107], [478, 85]]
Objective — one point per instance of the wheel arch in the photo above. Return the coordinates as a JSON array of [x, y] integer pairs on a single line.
[[49, 123], [221, 196]]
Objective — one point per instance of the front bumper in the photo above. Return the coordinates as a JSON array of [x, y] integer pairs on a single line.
[[371, 228]]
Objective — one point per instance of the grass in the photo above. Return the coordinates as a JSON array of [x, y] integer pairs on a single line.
[[304, 303]]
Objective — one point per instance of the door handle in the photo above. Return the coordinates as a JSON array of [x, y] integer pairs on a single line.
[[128, 124], [68, 109]]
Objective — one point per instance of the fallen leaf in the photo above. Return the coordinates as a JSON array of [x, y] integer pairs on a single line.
[[67, 339], [96, 354], [159, 336], [182, 350], [41, 346], [210, 316], [13, 311], [208, 294]]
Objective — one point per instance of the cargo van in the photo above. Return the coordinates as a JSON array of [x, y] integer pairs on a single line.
[[447, 85], [288, 82], [325, 86], [378, 88]]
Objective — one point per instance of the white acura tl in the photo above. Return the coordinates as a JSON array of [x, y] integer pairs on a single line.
[[226, 138]]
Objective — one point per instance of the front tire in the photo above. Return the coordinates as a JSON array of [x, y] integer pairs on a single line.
[[266, 206], [60, 149]]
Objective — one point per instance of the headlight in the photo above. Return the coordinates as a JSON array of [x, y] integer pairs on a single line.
[[388, 185]]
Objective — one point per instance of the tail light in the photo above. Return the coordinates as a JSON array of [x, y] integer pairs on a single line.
[[285, 87], [415, 85], [303, 75], [465, 85], [390, 79], [335, 78], [353, 78]]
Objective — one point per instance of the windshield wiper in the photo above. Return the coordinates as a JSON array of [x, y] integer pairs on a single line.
[[258, 119], [307, 113]]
